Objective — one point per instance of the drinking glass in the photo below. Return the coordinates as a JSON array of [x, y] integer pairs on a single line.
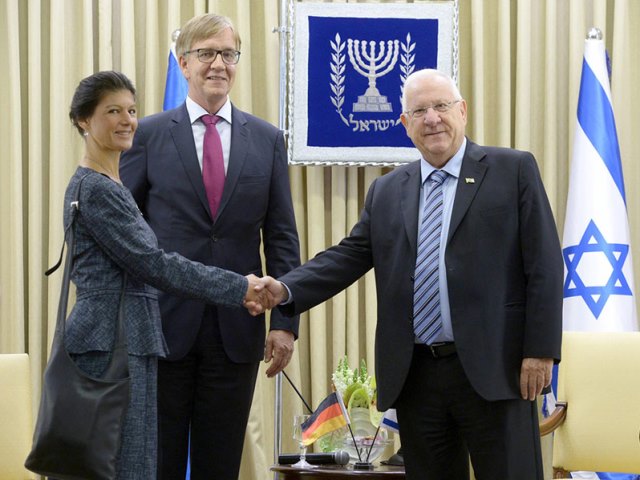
[[298, 420]]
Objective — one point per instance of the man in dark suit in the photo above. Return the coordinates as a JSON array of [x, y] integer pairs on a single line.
[[206, 383], [468, 378]]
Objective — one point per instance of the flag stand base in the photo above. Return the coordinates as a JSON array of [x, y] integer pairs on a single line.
[[363, 466]]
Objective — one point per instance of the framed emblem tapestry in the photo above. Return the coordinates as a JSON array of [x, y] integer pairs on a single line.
[[348, 65]]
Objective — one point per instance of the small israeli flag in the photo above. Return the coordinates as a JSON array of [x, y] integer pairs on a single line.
[[390, 421], [176, 87]]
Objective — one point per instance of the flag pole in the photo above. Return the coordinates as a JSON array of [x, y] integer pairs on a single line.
[[375, 436], [283, 32], [297, 391], [354, 442]]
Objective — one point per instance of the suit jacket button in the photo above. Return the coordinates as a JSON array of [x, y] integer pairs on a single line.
[[214, 238]]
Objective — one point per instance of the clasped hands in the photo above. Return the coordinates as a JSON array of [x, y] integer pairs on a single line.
[[263, 294]]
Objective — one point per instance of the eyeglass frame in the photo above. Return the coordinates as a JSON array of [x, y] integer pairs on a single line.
[[217, 52], [440, 107]]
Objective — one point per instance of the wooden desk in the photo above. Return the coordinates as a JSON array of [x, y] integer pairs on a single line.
[[338, 472]]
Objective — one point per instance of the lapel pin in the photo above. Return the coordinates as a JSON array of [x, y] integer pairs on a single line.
[[469, 180]]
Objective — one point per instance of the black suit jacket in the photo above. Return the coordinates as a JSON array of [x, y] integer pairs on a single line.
[[503, 261], [162, 171]]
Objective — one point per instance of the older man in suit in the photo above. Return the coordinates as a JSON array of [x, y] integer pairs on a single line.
[[469, 304], [212, 181]]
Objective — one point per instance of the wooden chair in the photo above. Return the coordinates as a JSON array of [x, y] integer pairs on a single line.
[[596, 422], [15, 416]]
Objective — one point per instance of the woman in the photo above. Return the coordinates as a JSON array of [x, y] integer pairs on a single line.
[[112, 238]]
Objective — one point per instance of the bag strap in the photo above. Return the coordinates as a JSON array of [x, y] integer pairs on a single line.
[[118, 365]]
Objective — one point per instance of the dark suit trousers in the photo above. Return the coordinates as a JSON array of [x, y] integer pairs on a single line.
[[212, 395], [441, 417]]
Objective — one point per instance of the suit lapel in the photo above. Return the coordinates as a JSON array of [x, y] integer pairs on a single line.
[[409, 200], [182, 135], [471, 175], [237, 154]]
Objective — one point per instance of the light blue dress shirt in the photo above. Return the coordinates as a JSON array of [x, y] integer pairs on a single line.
[[452, 167]]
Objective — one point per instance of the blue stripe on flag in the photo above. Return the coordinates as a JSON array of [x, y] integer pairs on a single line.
[[595, 116], [390, 420], [390, 424], [176, 87]]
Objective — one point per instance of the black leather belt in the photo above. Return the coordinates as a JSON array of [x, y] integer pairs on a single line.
[[438, 350]]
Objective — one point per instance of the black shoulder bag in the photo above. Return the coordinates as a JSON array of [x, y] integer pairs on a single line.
[[78, 430]]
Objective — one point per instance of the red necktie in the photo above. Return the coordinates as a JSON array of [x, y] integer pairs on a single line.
[[212, 163]]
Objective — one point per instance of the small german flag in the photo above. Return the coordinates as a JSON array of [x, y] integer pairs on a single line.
[[329, 416]]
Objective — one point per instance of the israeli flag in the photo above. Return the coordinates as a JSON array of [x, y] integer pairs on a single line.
[[176, 88], [390, 421], [599, 287]]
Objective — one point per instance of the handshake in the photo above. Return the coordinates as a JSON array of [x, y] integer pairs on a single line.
[[263, 294]]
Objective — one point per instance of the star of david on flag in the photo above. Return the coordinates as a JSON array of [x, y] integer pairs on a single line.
[[596, 296]]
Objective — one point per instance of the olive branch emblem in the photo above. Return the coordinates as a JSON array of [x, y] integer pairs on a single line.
[[337, 75], [406, 62]]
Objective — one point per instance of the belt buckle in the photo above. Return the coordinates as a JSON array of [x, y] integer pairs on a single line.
[[432, 347]]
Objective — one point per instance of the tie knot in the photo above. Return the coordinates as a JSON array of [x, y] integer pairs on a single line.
[[210, 119], [438, 176]]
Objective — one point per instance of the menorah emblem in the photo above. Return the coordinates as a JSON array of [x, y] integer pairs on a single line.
[[372, 66]]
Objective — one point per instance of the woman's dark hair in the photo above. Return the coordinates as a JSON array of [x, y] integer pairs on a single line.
[[91, 90]]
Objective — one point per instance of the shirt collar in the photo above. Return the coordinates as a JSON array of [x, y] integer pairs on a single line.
[[196, 111], [452, 167]]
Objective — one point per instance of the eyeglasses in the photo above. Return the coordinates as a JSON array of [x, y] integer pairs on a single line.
[[209, 55], [441, 107]]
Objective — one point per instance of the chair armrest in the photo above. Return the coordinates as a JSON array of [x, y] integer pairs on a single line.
[[554, 420]]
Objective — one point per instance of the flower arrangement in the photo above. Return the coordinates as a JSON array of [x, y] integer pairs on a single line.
[[357, 387], [358, 391]]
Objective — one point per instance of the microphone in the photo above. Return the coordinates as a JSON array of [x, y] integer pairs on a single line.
[[340, 457]]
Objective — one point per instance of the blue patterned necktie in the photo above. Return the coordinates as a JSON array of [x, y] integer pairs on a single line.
[[427, 321]]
